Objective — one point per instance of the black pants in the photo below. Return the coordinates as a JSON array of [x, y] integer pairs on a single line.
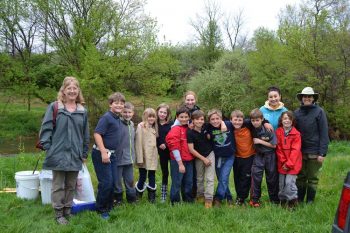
[[242, 176], [264, 162], [164, 158], [142, 179]]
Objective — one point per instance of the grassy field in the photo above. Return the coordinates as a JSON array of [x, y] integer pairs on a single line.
[[31, 216]]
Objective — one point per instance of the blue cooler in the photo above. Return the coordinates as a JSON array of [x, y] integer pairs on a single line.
[[79, 206]]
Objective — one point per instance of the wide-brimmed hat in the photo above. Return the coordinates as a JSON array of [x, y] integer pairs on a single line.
[[307, 91]]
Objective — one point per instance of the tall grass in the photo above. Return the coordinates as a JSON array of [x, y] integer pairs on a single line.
[[31, 216]]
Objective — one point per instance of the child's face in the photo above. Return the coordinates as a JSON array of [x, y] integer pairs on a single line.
[[162, 114], [151, 120], [256, 122], [183, 118], [215, 120], [71, 92], [190, 101], [274, 98], [286, 121], [117, 107], [237, 122], [127, 114], [199, 122]]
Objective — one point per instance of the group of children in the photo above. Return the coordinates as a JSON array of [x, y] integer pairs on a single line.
[[197, 151]]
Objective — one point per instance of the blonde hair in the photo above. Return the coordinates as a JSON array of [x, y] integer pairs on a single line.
[[66, 82], [237, 113], [168, 116], [214, 111], [190, 93], [149, 112]]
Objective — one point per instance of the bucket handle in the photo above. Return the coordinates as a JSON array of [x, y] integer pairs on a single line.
[[29, 188]]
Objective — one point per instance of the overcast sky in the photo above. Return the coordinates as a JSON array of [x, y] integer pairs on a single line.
[[173, 16]]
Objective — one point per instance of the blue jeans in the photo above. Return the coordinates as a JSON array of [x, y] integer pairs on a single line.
[[106, 174], [181, 181], [223, 167]]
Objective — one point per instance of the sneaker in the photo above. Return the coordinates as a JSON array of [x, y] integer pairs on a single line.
[[217, 203], [254, 204], [208, 204], [105, 215], [239, 202], [62, 220]]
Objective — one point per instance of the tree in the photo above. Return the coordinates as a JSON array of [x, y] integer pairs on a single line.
[[208, 31]]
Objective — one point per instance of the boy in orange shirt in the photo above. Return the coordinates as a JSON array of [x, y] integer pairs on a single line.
[[244, 155]]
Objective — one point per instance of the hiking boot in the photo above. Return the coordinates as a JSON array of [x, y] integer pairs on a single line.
[[208, 204], [254, 203], [67, 212], [292, 204], [200, 199], [284, 204], [62, 220], [217, 203]]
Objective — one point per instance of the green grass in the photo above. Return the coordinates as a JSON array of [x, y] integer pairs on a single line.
[[31, 216]]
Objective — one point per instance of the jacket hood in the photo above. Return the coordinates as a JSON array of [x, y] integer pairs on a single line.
[[281, 105]]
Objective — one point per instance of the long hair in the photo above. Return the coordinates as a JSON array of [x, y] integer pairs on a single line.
[[150, 112], [168, 116], [66, 82]]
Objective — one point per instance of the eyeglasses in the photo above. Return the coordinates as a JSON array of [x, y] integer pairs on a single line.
[[308, 96]]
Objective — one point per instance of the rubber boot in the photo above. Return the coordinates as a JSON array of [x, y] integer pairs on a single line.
[[301, 193], [151, 194], [139, 192], [164, 191], [310, 197]]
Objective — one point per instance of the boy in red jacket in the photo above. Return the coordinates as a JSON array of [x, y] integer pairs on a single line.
[[289, 159], [181, 163]]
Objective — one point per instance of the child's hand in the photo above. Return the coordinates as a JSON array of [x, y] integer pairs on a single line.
[[257, 140], [182, 169], [208, 136], [162, 146], [140, 164], [284, 167], [268, 127], [207, 162], [191, 125]]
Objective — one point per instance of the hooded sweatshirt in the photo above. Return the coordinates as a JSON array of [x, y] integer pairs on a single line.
[[272, 114]]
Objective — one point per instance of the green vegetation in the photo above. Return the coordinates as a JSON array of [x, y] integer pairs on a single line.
[[31, 216]]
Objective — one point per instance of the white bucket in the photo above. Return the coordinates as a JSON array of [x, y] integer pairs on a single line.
[[45, 186], [27, 184]]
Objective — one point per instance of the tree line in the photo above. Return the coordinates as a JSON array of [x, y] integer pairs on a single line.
[[112, 45]]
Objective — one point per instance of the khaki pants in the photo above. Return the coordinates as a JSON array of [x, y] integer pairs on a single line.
[[205, 175], [62, 192]]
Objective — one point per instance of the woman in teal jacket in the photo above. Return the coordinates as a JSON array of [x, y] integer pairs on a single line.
[[66, 141], [273, 107]]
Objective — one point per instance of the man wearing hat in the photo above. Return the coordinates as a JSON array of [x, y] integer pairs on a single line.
[[311, 121]]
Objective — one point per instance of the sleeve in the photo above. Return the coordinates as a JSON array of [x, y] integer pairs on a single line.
[[295, 152], [273, 140], [46, 130], [86, 136], [279, 151], [138, 145], [190, 138], [102, 125], [173, 138], [323, 132]]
